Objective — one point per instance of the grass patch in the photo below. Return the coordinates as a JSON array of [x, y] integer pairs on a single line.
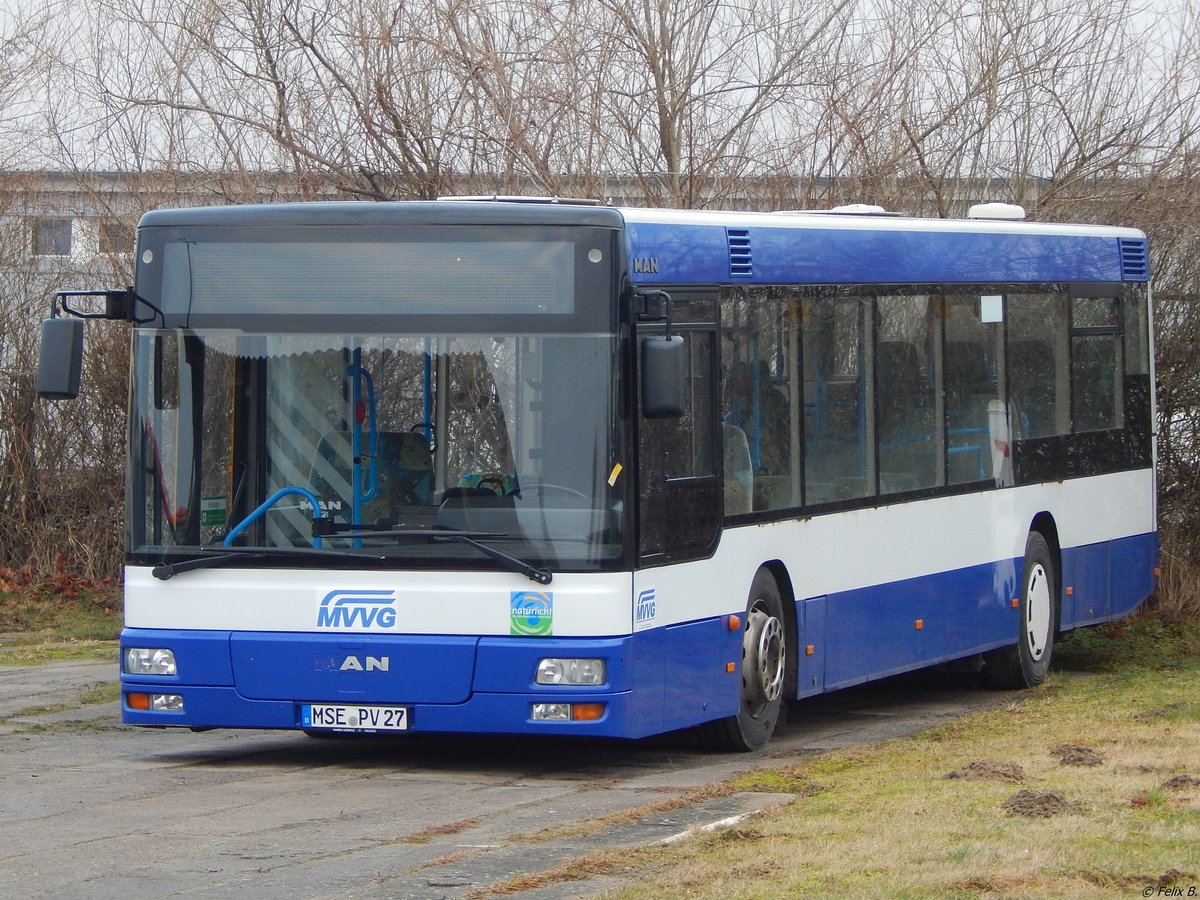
[[37, 627], [106, 692], [32, 649], [93, 615], [428, 834], [601, 824], [887, 820], [84, 726], [29, 720], [594, 865], [1144, 642]]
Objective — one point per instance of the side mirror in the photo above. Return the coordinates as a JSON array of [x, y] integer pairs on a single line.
[[662, 377], [60, 360]]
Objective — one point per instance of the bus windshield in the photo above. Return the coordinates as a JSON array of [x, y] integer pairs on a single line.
[[512, 439]]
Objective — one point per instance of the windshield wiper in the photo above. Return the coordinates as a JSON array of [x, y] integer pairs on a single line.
[[218, 556], [435, 533], [471, 538], [445, 535], [512, 563]]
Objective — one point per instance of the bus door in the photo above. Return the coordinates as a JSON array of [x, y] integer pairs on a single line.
[[679, 508]]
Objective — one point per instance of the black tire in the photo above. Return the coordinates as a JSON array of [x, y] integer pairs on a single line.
[[764, 672], [1026, 663]]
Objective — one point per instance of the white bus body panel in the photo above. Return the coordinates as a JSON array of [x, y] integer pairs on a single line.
[[453, 603], [840, 552], [827, 554]]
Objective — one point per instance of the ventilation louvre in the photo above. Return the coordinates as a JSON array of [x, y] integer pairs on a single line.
[[1134, 264], [740, 263]]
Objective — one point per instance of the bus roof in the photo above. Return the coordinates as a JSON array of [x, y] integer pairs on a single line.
[[882, 221], [687, 246], [675, 246]]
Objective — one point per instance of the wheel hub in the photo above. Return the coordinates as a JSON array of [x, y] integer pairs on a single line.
[[763, 660], [1037, 610]]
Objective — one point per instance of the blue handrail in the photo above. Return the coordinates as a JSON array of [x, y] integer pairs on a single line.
[[262, 508], [365, 482]]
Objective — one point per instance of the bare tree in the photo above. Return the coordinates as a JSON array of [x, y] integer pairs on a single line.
[[693, 88], [1079, 109]]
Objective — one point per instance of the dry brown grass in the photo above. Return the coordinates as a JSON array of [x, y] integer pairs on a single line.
[[595, 865], [601, 824], [425, 835], [887, 821], [448, 859]]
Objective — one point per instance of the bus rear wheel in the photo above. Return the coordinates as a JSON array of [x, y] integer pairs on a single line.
[[763, 671], [1026, 663]]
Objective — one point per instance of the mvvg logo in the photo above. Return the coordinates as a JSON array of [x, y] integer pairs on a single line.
[[645, 609], [357, 609]]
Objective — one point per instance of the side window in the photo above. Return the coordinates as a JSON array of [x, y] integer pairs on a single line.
[[760, 411], [976, 416], [680, 505], [838, 420], [1138, 420], [1097, 369], [1137, 332], [1037, 364], [906, 395]]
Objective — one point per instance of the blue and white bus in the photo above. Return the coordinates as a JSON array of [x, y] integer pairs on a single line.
[[565, 469]]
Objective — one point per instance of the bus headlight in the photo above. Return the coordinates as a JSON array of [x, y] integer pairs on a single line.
[[149, 661], [571, 671]]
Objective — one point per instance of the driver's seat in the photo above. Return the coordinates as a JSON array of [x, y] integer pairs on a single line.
[[403, 468]]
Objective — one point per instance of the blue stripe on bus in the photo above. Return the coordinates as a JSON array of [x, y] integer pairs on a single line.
[[872, 632], [699, 254], [658, 680]]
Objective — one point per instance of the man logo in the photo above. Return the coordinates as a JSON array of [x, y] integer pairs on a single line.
[[352, 664], [373, 664], [362, 609]]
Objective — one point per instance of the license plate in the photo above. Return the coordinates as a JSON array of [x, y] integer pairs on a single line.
[[344, 717]]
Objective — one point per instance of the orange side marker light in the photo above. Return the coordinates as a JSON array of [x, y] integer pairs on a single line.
[[735, 622], [138, 701]]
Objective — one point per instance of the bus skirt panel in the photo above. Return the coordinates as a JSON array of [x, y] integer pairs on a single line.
[[657, 680], [886, 629]]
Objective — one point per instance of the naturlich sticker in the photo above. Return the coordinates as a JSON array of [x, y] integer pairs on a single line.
[[531, 613]]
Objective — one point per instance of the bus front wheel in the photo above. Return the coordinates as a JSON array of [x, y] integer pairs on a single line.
[[763, 671], [1026, 664]]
